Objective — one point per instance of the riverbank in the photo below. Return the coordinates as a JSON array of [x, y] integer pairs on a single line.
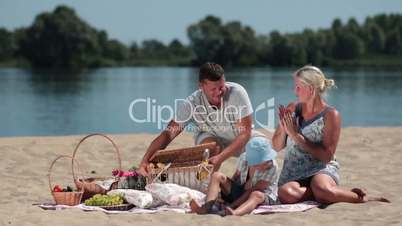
[[369, 157]]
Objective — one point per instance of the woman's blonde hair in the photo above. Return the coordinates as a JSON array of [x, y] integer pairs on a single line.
[[313, 76]]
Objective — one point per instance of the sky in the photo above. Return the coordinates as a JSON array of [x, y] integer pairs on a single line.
[[165, 20]]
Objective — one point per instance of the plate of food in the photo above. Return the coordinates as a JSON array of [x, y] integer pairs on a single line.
[[109, 202], [121, 207]]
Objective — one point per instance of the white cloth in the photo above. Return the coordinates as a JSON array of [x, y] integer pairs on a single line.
[[175, 195], [105, 184], [141, 199]]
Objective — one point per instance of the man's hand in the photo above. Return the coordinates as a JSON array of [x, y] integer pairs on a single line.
[[216, 161], [161, 142], [143, 169]]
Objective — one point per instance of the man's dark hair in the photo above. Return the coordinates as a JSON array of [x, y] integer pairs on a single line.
[[210, 71]]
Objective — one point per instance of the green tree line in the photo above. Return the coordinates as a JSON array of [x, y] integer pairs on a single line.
[[61, 39]]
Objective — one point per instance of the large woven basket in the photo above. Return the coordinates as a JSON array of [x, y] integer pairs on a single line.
[[182, 166], [64, 198], [88, 183]]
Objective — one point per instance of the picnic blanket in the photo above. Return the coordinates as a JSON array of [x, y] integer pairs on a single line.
[[264, 209]]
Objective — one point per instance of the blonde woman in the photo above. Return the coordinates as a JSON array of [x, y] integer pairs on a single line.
[[309, 129]]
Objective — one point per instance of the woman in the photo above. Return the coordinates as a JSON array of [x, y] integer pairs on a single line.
[[310, 129]]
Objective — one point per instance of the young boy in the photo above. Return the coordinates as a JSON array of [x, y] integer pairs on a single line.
[[254, 183]]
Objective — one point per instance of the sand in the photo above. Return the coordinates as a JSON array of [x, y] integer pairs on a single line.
[[370, 158]]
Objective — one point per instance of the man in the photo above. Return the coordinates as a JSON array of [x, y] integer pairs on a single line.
[[218, 112]]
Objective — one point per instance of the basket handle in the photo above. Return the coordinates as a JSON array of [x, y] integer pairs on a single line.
[[91, 135], [161, 172], [51, 167], [204, 166]]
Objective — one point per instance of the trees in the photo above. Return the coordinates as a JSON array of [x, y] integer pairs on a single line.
[[154, 52], [232, 43], [348, 46], [227, 44], [206, 40], [373, 36], [115, 50], [7, 45], [60, 40], [279, 49], [239, 45], [177, 49], [394, 42]]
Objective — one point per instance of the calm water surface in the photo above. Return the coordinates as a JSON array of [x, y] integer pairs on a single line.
[[54, 103]]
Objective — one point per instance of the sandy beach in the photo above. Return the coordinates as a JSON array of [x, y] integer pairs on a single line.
[[370, 158]]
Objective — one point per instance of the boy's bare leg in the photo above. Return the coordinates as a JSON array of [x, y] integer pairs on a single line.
[[195, 208], [256, 198], [219, 182]]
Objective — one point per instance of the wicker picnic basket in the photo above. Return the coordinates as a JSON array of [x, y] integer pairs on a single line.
[[71, 198], [89, 183], [182, 166]]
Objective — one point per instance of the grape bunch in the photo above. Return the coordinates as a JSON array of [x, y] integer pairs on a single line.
[[105, 200]]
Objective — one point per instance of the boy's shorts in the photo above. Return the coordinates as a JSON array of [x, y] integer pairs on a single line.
[[236, 190]]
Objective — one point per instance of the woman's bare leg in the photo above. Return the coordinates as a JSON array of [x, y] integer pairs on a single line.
[[325, 190], [292, 192]]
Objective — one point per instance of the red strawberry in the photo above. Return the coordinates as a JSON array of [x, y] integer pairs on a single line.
[[57, 188]]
